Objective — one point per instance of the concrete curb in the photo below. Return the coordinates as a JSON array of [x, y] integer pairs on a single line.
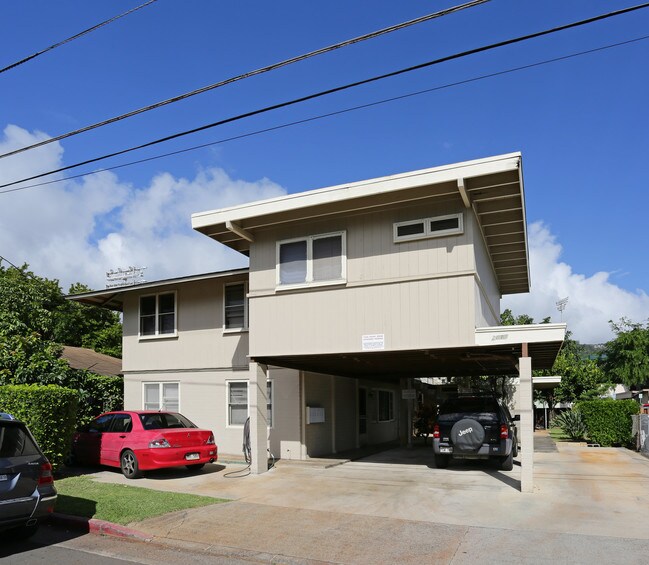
[[94, 526]]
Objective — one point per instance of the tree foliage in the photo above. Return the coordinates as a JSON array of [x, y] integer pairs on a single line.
[[625, 359], [87, 326], [581, 377], [35, 309]]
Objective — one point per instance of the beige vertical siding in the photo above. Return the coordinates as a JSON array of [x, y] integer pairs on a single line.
[[487, 305], [200, 343], [203, 399], [411, 315], [317, 393], [372, 254], [346, 414], [284, 439], [419, 294]]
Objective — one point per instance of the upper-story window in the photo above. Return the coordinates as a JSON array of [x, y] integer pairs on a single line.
[[158, 314], [235, 306], [438, 226], [317, 259]]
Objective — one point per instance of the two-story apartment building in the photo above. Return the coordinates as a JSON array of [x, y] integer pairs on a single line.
[[351, 291]]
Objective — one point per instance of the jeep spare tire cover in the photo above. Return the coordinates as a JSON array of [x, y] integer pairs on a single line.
[[467, 434]]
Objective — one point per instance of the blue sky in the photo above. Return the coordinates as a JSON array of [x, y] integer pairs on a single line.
[[581, 124]]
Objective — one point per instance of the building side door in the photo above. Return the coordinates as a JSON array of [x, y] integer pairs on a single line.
[[362, 416]]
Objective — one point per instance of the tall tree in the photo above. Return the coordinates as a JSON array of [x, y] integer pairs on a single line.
[[36, 319], [625, 359], [27, 354], [87, 326]]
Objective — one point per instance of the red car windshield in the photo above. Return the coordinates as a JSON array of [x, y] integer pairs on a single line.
[[164, 420]]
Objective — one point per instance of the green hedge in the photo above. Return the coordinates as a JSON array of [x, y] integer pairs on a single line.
[[98, 394], [49, 411], [608, 421]]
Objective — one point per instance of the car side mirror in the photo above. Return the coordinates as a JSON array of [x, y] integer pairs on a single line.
[[517, 418]]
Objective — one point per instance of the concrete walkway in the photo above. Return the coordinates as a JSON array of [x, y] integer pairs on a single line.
[[589, 504]]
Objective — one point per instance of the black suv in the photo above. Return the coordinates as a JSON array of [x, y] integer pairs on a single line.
[[27, 493], [475, 427]]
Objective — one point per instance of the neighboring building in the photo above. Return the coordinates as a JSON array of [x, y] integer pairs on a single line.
[[351, 292], [90, 360]]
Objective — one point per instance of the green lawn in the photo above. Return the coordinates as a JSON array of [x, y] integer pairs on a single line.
[[557, 434], [120, 504]]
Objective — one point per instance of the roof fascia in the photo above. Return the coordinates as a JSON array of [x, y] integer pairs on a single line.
[[341, 193], [530, 333], [110, 292]]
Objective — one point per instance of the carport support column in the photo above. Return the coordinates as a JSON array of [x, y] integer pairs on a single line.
[[526, 410], [258, 418]]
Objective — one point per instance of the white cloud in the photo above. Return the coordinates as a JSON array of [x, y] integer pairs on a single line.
[[78, 230], [592, 300]]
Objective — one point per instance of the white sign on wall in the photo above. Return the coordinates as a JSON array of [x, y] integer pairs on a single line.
[[373, 342]]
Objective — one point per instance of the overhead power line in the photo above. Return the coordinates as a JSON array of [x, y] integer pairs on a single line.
[[259, 71], [331, 114], [327, 92], [77, 36]]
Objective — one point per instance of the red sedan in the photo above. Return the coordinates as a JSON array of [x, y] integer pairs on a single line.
[[137, 441]]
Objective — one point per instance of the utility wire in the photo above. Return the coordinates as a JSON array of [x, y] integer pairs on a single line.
[[250, 74], [335, 113], [77, 36], [7, 260], [330, 91]]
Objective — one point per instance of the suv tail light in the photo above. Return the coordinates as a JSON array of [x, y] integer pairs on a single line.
[[504, 431], [45, 477], [436, 431]]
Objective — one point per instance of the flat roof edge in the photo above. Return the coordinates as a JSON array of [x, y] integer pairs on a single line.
[[531, 333], [164, 282], [368, 187]]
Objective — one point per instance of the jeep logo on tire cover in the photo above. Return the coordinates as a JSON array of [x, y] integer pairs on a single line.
[[467, 431]]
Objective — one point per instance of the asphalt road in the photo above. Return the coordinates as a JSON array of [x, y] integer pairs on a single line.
[[55, 545]]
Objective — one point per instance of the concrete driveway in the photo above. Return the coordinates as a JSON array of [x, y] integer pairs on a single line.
[[589, 505]]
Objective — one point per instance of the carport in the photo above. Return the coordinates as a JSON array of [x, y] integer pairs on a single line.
[[498, 351]]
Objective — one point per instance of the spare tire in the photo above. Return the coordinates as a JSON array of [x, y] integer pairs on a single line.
[[467, 435]]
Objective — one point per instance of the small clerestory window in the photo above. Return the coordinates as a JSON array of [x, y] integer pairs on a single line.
[[439, 226]]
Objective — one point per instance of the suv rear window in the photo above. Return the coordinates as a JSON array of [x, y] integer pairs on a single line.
[[15, 442], [475, 407]]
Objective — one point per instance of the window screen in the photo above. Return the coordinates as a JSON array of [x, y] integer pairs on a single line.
[[235, 309], [385, 406], [147, 315], [327, 258], [166, 313], [292, 262], [445, 224], [237, 403], [410, 229]]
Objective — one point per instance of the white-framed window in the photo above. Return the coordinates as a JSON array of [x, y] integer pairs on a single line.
[[385, 405], [269, 402], [235, 306], [158, 314], [161, 396], [237, 392], [313, 260], [438, 226]]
